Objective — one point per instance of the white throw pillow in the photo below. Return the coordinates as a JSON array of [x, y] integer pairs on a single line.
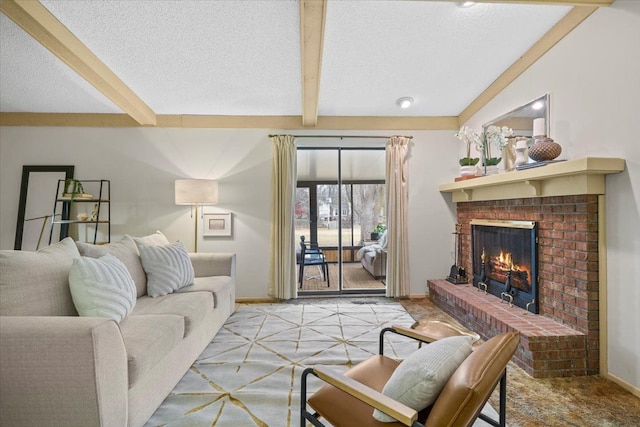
[[155, 239], [420, 378], [383, 240], [126, 251], [168, 268], [102, 287]]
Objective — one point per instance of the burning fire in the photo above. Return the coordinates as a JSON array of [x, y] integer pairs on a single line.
[[503, 262], [499, 266]]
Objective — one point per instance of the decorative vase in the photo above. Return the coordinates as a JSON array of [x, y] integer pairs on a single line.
[[544, 149], [468, 170], [490, 170], [521, 153]]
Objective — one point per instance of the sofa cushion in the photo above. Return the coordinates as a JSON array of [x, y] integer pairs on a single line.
[[192, 306], [420, 378], [37, 283], [220, 286], [126, 251], [168, 268], [148, 339], [102, 287], [155, 239]]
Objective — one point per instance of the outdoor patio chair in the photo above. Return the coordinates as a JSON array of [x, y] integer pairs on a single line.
[[312, 255]]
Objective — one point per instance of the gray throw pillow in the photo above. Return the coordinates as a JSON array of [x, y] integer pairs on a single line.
[[37, 283], [102, 287], [420, 378], [168, 268]]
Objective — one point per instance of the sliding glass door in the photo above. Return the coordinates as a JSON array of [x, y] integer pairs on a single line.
[[340, 202]]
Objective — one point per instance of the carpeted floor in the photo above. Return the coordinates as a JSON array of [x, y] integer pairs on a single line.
[[588, 401], [258, 351]]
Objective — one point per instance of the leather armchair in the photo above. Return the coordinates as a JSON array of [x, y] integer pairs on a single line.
[[348, 399]]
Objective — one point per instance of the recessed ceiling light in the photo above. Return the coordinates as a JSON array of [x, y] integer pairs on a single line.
[[537, 105], [404, 102], [465, 3]]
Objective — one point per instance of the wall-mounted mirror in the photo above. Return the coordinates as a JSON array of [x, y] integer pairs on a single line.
[[521, 118], [521, 121]]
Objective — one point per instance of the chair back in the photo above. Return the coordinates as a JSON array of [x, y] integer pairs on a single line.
[[470, 386]]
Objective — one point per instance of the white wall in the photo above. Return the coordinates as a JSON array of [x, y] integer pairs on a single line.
[[142, 164], [593, 76]]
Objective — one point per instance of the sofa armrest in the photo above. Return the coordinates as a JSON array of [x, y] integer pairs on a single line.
[[61, 370], [214, 264]]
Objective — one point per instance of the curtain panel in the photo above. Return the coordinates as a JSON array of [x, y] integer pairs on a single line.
[[282, 271], [397, 150]]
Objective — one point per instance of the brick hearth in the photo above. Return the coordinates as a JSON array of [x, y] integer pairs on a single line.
[[568, 283], [547, 348]]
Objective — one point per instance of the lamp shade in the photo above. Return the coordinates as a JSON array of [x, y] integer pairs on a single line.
[[196, 192]]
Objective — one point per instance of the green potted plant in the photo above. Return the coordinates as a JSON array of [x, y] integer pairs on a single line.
[[376, 232], [490, 135], [493, 135], [467, 135], [73, 190]]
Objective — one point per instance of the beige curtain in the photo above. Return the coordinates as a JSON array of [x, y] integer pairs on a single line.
[[398, 284], [282, 274]]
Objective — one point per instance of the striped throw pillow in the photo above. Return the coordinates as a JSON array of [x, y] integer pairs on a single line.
[[102, 287], [168, 268]]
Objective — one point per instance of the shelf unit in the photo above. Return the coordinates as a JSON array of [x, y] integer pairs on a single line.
[[102, 207]]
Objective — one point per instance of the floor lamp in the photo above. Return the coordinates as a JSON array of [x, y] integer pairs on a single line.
[[196, 192]]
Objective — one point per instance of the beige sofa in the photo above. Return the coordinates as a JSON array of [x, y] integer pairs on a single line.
[[375, 262], [373, 256], [59, 369]]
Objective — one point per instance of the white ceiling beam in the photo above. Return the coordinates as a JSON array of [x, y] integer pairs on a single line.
[[548, 2], [312, 19], [45, 28], [563, 27]]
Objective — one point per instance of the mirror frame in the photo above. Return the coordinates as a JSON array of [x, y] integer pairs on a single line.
[[546, 98], [24, 188]]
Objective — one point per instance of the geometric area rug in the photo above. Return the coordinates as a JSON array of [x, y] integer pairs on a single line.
[[249, 375]]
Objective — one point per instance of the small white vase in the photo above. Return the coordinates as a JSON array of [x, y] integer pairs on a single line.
[[468, 170]]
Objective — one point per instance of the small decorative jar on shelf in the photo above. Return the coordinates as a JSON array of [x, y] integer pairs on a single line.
[[543, 148]]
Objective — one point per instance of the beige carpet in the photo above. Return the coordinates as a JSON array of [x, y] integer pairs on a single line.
[[250, 373]]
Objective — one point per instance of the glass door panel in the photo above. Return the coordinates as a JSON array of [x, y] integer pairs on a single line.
[[340, 200]]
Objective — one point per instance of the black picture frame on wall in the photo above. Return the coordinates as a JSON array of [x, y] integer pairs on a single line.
[[46, 184]]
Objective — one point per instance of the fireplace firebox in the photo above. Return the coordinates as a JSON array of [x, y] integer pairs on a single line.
[[504, 260]]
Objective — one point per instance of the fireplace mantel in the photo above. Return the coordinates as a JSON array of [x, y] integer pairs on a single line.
[[572, 177]]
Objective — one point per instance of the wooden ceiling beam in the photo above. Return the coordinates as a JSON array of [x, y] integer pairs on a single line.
[[36, 20], [312, 20], [570, 21], [587, 3], [217, 122]]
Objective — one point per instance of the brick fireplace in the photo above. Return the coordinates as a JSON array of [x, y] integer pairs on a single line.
[[565, 200], [563, 340]]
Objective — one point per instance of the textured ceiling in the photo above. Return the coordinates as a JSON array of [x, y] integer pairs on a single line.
[[243, 57]]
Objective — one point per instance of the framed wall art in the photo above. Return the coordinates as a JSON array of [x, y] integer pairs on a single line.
[[217, 224]]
